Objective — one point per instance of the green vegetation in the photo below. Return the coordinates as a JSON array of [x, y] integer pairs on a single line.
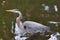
[[31, 10]]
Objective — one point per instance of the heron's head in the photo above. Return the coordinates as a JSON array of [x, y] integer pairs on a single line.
[[13, 10]]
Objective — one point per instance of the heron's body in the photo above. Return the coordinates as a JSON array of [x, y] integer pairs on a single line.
[[35, 27], [30, 27], [27, 26]]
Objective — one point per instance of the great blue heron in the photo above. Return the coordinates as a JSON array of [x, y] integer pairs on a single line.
[[27, 26]]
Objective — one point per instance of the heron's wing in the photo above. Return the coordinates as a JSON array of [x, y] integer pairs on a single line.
[[35, 27]]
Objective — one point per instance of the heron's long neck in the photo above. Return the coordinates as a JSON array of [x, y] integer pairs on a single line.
[[18, 21]]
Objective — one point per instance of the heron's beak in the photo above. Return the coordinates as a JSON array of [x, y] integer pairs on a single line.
[[8, 10]]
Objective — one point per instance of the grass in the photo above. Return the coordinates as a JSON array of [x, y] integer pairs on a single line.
[[33, 8]]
